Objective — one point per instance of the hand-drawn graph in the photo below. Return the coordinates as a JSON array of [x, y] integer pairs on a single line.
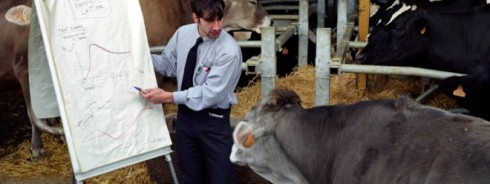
[[118, 135], [99, 52], [85, 65], [90, 56]]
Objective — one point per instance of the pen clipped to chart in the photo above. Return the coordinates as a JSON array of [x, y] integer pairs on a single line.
[[139, 89]]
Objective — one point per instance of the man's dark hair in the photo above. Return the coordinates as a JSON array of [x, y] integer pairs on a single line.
[[212, 9]]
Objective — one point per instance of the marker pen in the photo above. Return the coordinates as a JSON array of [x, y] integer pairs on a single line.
[[139, 89]]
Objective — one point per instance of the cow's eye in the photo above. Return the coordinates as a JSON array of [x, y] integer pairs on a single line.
[[253, 2], [398, 31], [399, 27]]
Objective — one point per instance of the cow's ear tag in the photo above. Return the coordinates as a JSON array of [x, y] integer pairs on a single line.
[[250, 141], [459, 92], [423, 30]]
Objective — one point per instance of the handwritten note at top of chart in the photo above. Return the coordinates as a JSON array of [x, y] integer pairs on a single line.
[[90, 8]]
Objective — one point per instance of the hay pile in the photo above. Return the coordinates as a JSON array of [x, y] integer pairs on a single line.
[[343, 90], [19, 165], [57, 165]]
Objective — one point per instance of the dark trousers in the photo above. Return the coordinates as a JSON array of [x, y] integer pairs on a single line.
[[203, 146]]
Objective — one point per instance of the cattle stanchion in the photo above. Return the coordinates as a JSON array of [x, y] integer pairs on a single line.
[[268, 61], [396, 70], [284, 37], [399, 70], [358, 45], [337, 66], [303, 31], [341, 20], [305, 9], [342, 47], [320, 12], [426, 93], [322, 67]]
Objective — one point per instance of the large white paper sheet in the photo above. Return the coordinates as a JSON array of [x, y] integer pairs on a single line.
[[99, 53]]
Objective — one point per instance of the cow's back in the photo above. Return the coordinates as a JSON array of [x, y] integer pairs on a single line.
[[425, 145], [388, 142]]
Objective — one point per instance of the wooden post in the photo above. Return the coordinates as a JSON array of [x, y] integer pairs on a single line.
[[363, 23]]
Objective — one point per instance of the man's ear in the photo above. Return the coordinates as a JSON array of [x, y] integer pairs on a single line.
[[195, 18]]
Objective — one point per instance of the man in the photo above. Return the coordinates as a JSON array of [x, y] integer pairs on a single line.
[[205, 95]]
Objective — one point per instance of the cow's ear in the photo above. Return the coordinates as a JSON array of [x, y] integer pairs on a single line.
[[419, 21], [423, 30], [20, 15], [459, 92]]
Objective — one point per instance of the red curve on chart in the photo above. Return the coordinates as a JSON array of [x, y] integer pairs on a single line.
[[131, 126], [90, 56]]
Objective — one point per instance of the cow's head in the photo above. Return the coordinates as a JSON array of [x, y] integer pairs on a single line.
[[255, 142], [470, 91], [245, 14], [400, 39]]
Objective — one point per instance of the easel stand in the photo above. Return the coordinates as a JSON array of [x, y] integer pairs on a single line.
[[171, 166], [96, 146]]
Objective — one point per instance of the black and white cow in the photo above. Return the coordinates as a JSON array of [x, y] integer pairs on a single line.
[[382, 8], [371, 142], [449, 41]]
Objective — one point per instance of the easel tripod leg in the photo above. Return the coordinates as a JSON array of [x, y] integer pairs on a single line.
[[74, 180], [172, 170]]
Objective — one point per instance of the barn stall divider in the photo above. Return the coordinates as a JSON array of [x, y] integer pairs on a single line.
[[327, 66]]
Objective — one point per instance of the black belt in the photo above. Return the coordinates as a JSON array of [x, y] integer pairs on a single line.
[[183, 108]]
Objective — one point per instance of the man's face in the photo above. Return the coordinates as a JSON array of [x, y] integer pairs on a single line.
[[211, 29]]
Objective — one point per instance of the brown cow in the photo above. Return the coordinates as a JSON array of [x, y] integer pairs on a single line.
[[13, 48], [372, 142], [162, 18]]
